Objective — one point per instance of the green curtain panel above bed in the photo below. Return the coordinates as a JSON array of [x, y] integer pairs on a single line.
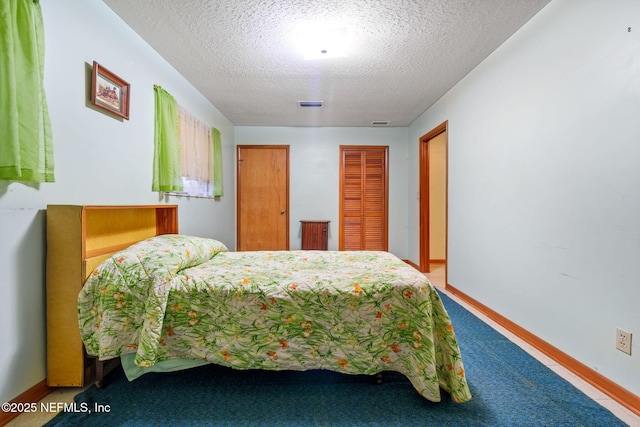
[[26, 151], [217, 164], [166, 160]]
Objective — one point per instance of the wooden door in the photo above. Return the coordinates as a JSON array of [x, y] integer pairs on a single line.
[[364, 198], [263, 197]]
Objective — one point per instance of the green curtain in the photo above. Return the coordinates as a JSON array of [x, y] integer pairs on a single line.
[[166, 158], [26, 150], [217, 164]]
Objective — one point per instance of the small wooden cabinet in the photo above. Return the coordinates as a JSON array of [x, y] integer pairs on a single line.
[[315, 234], [78, 239]]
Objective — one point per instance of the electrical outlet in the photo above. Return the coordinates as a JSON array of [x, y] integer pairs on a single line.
[[623, 341]]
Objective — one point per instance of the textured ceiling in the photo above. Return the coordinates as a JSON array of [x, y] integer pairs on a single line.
[[404, 55]]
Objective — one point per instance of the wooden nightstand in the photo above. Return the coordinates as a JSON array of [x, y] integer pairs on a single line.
[[315, 234]]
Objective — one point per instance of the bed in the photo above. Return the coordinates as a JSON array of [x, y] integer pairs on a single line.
[[174, 301]]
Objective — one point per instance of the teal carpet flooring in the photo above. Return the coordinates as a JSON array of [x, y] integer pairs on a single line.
[[509, 387]]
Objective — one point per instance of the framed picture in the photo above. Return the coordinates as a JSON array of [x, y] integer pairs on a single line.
[[109, 91]]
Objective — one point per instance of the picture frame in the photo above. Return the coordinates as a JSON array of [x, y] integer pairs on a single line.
[[110, 92]]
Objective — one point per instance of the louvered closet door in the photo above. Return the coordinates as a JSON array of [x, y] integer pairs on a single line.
[[363, 198]]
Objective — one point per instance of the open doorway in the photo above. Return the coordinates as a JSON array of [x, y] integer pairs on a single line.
[[433, 201]]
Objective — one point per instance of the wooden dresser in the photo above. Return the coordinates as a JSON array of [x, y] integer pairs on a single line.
[[79, 238], [315, 234]]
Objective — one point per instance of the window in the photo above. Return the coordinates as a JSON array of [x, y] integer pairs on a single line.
[[196, 155], [188, 152]]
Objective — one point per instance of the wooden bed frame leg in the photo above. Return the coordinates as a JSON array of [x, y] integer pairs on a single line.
[[99, 374], [102, 369], [378, 378]]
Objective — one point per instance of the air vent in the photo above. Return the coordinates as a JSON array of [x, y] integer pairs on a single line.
[[310, 103], [380, 123]]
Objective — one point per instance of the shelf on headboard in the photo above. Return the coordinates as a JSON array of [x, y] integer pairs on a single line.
[[111, 228], [106, 250]]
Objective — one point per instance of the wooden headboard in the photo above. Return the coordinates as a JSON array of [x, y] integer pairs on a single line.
[[79, 238]]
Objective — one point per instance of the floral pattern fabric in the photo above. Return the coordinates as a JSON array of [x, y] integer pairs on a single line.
[[357, 312]]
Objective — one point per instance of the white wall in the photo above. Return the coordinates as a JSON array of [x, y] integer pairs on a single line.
[[99, 160], [544, 181], [314, 157]]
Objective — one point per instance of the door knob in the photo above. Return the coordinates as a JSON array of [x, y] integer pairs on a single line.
[[282, 211]]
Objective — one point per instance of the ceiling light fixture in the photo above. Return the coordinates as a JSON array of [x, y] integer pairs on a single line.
[[322, 42]]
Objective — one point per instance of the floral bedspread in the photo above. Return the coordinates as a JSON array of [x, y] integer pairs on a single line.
[[357, 312]]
